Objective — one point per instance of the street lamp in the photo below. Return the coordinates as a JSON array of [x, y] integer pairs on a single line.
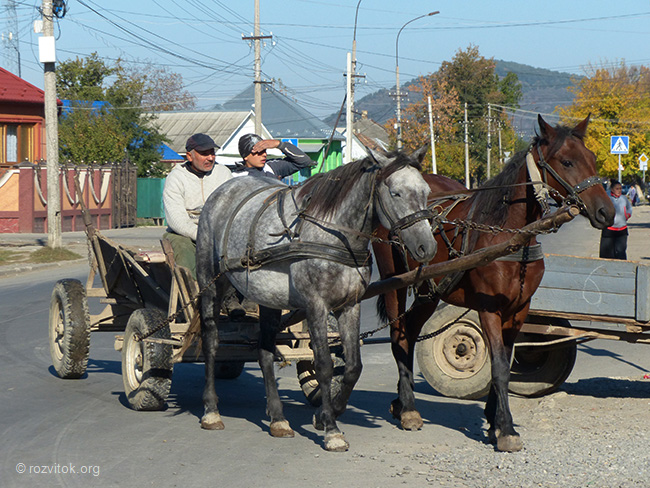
[[351, 75], [397, 92]]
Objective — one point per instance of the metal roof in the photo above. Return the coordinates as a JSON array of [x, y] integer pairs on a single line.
[[178, 126], [15, 89], [283, 117]]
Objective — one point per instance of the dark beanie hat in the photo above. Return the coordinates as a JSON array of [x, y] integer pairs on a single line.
[[246, 144], [200, 142]]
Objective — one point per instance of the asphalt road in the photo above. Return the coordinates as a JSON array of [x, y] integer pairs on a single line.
[[79, 433]]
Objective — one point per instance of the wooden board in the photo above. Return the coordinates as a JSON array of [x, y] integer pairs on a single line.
[[595, 287]]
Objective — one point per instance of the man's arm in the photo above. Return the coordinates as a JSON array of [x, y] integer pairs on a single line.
[[176, 214], [295, 160]]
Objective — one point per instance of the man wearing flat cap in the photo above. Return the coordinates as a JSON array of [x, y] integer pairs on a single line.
[[187, 187], [252, 148]]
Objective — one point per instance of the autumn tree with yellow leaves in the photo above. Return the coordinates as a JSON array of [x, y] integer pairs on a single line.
[[471, 78], [618, 99]]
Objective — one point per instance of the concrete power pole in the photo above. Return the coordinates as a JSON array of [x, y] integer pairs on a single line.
[[466, 151], [256, 38], [434, 167], [489, 143], [348, 112], [47, 56]]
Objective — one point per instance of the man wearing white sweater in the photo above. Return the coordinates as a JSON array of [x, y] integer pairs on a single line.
[[187, 187]]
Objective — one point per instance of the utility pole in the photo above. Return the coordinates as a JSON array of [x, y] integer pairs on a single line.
[[348, 112], [11, 40], [489, 143], [434, 168], [47, 55], [256, 38], [466, 151]]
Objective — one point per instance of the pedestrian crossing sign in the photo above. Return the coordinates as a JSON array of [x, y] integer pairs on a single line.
[[620, 145]]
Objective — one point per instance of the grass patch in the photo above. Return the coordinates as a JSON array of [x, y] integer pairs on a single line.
[[51, 255], [8, 257]]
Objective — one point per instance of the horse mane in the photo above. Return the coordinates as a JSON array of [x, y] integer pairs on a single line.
[[324, 192], [490, 207]]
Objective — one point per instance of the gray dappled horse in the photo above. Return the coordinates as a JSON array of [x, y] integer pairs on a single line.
[[306, 248]]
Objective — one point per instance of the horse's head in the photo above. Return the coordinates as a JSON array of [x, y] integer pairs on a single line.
[[570, 168], [401, 202]]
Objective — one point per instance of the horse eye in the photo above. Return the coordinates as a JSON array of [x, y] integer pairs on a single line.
[[567, 164], [394, 194]]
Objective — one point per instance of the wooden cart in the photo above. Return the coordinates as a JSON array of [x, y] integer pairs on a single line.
[[579, 299], [150, 302]]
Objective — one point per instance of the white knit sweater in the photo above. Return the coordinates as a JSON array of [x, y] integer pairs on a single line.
[[184, 196]]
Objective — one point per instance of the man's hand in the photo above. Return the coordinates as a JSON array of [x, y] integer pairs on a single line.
[[265, 144]]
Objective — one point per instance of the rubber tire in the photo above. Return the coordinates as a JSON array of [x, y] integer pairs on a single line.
[[307, 377], [69, 329], [465, 376], [539, 371], [228, 370], [146, 366]]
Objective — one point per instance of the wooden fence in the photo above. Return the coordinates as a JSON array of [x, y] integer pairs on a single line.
[[109, 192]]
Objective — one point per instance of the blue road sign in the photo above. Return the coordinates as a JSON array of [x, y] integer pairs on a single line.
[[620, 145]]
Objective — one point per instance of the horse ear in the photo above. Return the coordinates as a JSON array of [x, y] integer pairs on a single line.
[[580, 130], [548, 132], [420, 153], [379, 157]]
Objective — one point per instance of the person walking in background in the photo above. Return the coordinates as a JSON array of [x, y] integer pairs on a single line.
[[613, 240], [632, 195]]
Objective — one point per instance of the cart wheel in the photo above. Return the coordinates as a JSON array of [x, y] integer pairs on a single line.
[[538, 371], [456, 362], [146, 366], [69, 329], [309, 383], [228, 370]]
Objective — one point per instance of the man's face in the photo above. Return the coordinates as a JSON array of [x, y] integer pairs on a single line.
[[202, 161], [256, 159]]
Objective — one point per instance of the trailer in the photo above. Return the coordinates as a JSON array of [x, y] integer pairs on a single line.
[[579, 299]]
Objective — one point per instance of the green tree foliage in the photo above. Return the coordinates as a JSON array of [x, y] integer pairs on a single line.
[[124, 126], [467, 78], [618, 100]]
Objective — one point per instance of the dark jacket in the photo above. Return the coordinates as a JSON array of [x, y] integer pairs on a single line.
[[294, 160]]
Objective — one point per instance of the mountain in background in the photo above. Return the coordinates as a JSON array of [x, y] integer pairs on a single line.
[[542, 91]]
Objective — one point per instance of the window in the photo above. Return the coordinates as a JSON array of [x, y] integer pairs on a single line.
[[16, 143]]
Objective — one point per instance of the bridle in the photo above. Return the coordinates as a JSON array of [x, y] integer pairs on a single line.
[[397, 225], [572, 198]]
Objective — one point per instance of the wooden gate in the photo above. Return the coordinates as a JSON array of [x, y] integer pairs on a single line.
[[124, 194]]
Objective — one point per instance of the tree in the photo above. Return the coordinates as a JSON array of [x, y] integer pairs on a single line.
[[470, 78], [618, 99], [124, 125]]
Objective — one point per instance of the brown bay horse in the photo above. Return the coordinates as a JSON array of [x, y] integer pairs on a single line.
[[501, 291]]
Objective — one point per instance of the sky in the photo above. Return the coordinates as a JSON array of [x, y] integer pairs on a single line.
[[202, 39]]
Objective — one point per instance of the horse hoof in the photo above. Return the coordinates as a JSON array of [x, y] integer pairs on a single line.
[[281, 429], [510, 443], [212, 421], [493, 436], [317, 422], [336, 443], [411, 420]]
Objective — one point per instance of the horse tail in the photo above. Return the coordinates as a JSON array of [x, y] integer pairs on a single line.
[[381, 309]]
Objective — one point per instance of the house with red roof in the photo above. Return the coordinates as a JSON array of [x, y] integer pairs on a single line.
[[22, 121]]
